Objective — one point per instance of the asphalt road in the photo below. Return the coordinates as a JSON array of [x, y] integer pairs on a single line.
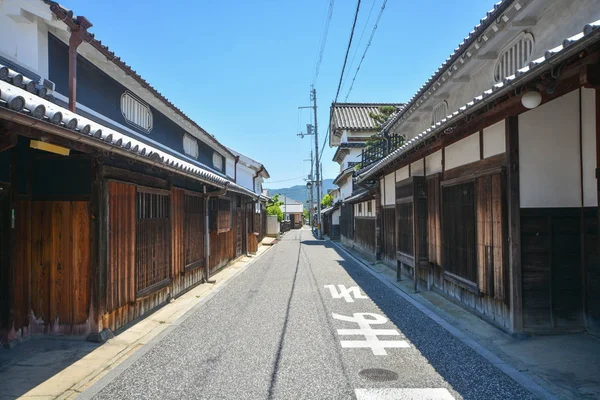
[[277, 331]]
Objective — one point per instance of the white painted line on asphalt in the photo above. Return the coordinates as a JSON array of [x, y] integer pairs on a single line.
[[508, 369], [403, 393], [371, 340], [345, 293]]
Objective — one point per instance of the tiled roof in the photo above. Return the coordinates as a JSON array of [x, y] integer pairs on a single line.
[[238, 154], [568, 48], [342, 174], [27, 108], [361, 195], [487, 21], [66, 16], [355, 116]]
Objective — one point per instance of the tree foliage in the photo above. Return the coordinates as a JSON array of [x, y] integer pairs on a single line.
[[326, 201], [273, 208]]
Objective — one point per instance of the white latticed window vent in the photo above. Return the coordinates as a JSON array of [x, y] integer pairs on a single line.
[[190, 146], [440, 111], [218, 161], [515, 57], [136, 112]]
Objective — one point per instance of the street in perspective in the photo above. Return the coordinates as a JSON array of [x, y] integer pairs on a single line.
[[368, 200]]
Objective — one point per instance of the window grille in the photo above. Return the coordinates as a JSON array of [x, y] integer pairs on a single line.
[[224, 215], [369, 207], [136, 112], [190, 146], [440, 111], [515, 57]]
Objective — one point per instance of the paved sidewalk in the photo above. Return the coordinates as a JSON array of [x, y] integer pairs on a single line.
[[566, 365], [61, 368]]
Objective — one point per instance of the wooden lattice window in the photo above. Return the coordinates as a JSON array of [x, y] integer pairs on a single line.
[[224, 215], [440, 111], [369, 207], [404, 218], [152, 240], [515, 57], [459, 231]]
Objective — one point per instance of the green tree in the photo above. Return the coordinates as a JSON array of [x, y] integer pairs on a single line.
[[274, 209], [326, 201], [383, 114], [306, 216]]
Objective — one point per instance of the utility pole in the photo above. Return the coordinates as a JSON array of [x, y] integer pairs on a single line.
[[313, 130], [317, 163], [310, 186]]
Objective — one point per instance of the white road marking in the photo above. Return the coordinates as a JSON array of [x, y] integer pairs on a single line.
[[345, 293], [403, 393], [364, 321]]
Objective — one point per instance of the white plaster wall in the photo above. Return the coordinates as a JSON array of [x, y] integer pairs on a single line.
[[335, 217], [556, 20], [462, 152], [292, 208], [494, 139], [355, 155], [588, 117], [549, 154], [346, 189], [402, 174], [22, 33], [433, 163], [244, 176], [417, 168], [390, 189], [229, 167]]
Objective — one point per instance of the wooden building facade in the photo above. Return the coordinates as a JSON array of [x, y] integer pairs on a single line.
[[496, 205], [110, 207]]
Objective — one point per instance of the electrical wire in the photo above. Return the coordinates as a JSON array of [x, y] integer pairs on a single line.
[[347, 51], [360, 40], [366, 48], [323, 41]]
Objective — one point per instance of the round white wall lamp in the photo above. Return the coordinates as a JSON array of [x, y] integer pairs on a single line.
[[531, 99]]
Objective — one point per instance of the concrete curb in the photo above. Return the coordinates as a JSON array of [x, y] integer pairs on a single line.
[[503, 366], [115, 372]]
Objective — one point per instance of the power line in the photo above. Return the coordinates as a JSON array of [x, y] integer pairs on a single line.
[[323, 41], [285, 180], [360, 40], [347, 51], [366, 48]]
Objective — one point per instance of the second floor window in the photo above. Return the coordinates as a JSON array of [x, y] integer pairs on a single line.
[[515, 57], [190, 146], [136, 112], [440, 111]]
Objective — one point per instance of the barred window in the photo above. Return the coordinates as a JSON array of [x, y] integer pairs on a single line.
[[369, 207], [440, 111], [515, 57], [152, 246], [136, 112], [190, 146]]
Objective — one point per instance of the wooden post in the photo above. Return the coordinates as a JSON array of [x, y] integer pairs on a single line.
[[514, 224], [99, 235]]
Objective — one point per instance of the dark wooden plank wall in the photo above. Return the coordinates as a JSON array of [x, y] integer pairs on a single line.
[[22, 264], [592, 269], [388, 230], [120, 271], [551, 269], [347, 221], [60, 260], [404, 226], [364, 236]]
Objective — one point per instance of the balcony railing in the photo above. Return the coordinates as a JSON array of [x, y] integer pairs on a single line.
[[375, 152]]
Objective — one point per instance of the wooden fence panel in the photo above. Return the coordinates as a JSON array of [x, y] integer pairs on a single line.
[[365, 233], [120, 272], [388, 217], [194, 231], [22, 263]]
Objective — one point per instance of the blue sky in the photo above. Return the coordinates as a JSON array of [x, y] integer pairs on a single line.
[[241, 68]]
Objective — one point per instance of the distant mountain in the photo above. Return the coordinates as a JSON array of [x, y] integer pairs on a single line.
[[300, 192]]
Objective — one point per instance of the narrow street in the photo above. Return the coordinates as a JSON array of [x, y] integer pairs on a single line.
[[279, 331]]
